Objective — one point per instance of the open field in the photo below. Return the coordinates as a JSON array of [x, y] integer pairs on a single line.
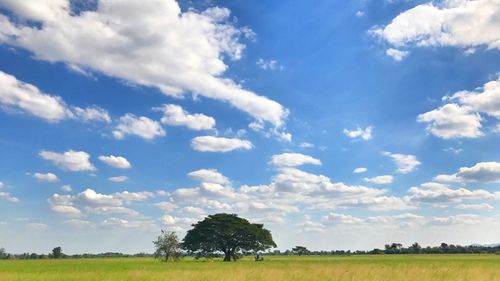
[[373, 268]]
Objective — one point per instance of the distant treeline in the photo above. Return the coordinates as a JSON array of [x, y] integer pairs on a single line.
[[389, 249], [398, 249]]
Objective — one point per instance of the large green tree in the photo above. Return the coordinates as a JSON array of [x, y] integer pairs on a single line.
[[227, 233]]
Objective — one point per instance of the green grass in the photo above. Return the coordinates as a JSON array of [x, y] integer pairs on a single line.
[[360, 268]]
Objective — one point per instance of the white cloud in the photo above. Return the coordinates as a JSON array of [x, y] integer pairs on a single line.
[[209, 176], [463, 119], [133, 196], [360, 14], [269, 64], [360, 170], [66, 210], [141, 126], [396, 54], [175, 115], [365, 134], [293, 160], [70, 160], [28, 98], [115, 161], [334, 218], [216, 144], [456, 219], [386, 179], [77, 223], [481, 206], [118, 179], [162, 47], [66, 188], [457, 23], [405, 163], [48, 177], [485, 100], [91, 114], [123, 223], [166, 206], [8, 197], [92, 198], [441, 193], [452, 121], [306, 145], [483, 172]]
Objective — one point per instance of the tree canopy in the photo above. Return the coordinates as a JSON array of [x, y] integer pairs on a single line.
[[167, 246], [229, 234]]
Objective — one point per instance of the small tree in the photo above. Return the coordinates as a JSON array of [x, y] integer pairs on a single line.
[[57, 253], [300, 250], [3, 254], [229, 234], [167, 246]]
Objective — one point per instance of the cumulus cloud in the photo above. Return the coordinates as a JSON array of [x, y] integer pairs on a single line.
[[293, 160], [209, 176], [219, 144], [47, 177], [116, 161], [405, 163], [70, 160], [141, 126], [483, 172], [462, 118], [78, 223], [386, 179], [396, 54], [360, 170], [440, 193], [452, 121], [364, 134], [175, 115], [456, 219], [462, 23], [163, 47], [24, 97]]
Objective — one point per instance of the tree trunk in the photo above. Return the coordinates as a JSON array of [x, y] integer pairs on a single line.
[[227, 256]]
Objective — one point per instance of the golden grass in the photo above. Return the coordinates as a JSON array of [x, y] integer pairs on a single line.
[[359, 268]]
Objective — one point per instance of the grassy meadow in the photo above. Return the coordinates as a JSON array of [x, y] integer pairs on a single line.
[[360, 268]]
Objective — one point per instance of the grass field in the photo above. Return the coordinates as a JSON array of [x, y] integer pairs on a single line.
[[360, 268]]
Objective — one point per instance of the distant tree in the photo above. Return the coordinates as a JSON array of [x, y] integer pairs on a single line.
[[57, 253], [300, 250], [167, 246], [3, 254], [415, 248], [229, 234]]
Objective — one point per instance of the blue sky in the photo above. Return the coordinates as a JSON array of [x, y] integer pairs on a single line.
[[339, 125]]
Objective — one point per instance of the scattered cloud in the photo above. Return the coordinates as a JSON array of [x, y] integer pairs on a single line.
[[306, 145], [219, 144], [116, 161], [8, 197], [293, 160], [25, 97], [396, 54], [70, 160], [360, 170], [387, 179], [405, 163], [209, 176], [47, 177], [364, 134], [269, 64], [141, 126], [447, 23], [36, 226], [175, 115], [481, 206], [118, 179], [185, 55], [483, 172], [438, 193]]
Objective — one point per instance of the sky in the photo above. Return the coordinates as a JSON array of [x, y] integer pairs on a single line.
[[336, 124]]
